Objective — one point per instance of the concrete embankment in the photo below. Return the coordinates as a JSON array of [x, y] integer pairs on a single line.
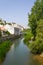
[[10, 37]]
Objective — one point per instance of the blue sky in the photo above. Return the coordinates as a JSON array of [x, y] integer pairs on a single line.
[[16, 10]]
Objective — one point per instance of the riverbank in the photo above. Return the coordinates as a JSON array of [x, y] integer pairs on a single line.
[[39, 59], [9, 37], [4, 47], [5, 43]]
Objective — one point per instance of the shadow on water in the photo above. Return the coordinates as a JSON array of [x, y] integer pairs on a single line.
[[19, 54]]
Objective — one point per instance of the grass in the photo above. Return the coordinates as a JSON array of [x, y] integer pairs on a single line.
[[4, 47]]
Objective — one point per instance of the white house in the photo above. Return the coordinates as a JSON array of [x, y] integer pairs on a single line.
[[9, 28], [13, 28]]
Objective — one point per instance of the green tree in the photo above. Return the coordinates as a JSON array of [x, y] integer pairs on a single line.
[[40, 31], [36, 15], [33, 24], [37, 46]]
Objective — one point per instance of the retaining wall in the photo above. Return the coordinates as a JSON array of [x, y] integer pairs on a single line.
[[10, 37]]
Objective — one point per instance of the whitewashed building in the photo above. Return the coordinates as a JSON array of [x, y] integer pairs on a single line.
[[9, 28], [12, 28]]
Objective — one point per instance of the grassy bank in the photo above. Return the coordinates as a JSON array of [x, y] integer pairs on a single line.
[[4, 47]]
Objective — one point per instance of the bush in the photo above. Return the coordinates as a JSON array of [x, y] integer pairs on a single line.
[[36, 47], [7, 32], [4, 47], [27, 36]]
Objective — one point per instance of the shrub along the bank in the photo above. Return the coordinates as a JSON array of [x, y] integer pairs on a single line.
[[27, 36], [37, 45], [4, 47]]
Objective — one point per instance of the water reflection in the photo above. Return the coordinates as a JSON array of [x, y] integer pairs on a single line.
[[19, 54], [17, 42]]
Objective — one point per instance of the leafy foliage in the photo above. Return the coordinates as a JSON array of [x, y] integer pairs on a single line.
[[36, 25], [36, 47], [6, 32], [36, 15], [27, 36], [4, 47]]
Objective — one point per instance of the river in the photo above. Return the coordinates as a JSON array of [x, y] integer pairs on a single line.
[[19, 54]]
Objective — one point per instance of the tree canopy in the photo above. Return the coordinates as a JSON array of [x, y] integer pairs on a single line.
[[36, 15]]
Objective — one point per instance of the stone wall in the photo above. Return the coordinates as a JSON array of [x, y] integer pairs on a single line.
[[10, 37]]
